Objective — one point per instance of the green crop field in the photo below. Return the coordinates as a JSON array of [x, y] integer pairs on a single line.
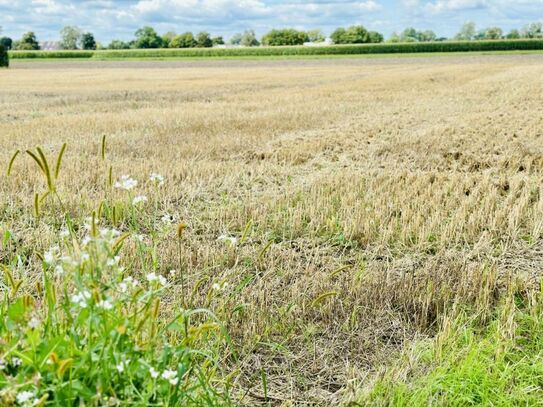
[[362, 49]]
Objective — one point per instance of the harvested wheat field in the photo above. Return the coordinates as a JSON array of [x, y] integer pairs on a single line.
[[358, 231]]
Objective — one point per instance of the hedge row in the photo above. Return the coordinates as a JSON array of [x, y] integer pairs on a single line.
[[445, 46], [4, 58]]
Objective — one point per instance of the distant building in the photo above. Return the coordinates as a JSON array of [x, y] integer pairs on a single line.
[[50, 45]]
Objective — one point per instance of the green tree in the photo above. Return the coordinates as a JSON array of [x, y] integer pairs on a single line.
[[118, 44], [316, 35], [409, 35], [513, 35], [88, 41], [394, 38], [375, 37], [167, 39], [338, 36], [427, 36], [235, 39], [467, 32], [493, 33], [185, 40], [146, 37], [355, 34], [285, 36], [248, 39], [28, 42], [203, 40], [217, 41], [533, 30], [4, 57], [71, 36], [413, 35], [6, 42]]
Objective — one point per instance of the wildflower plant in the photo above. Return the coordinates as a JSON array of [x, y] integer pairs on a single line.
[[93, 332]]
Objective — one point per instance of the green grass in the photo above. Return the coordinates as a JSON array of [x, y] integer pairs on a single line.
[[355, 49], [499, 363]]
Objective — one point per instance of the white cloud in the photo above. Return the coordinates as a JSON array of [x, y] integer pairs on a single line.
[[110, 19], [440, 6]]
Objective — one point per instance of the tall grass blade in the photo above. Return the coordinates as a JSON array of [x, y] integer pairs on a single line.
[[38, 161], [103, 150], [47, 171], [13, 157], [59, 160]]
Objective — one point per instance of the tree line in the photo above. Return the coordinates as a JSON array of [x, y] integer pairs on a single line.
[[73, 37]]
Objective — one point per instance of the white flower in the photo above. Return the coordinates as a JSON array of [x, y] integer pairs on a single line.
[[16, 361], [169, 218], [105, 304], [59, 271], [128, 281], [50, 256], [154, 277], [153, 372], [219, 287], [127, 183], [34, 323], [139, 199], [230, 239], [86, 240], [171, 376], [113, 261], [81, 299], [157, 178], [122, 365], [24, 397], [173, 272], [64, 233]]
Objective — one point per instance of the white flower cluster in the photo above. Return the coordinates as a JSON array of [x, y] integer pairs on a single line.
[[51, 255], [156, 277], [128, 283], [139, 200], [122, 365], [14, 362], [126, 182], [220, 287], [157, 179], [81, 299], [168, 218], [104, 304], [27, 398], [228, 239], [169, 375]]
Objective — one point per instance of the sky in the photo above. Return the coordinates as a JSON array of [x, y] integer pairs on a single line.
[[119, 19]]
